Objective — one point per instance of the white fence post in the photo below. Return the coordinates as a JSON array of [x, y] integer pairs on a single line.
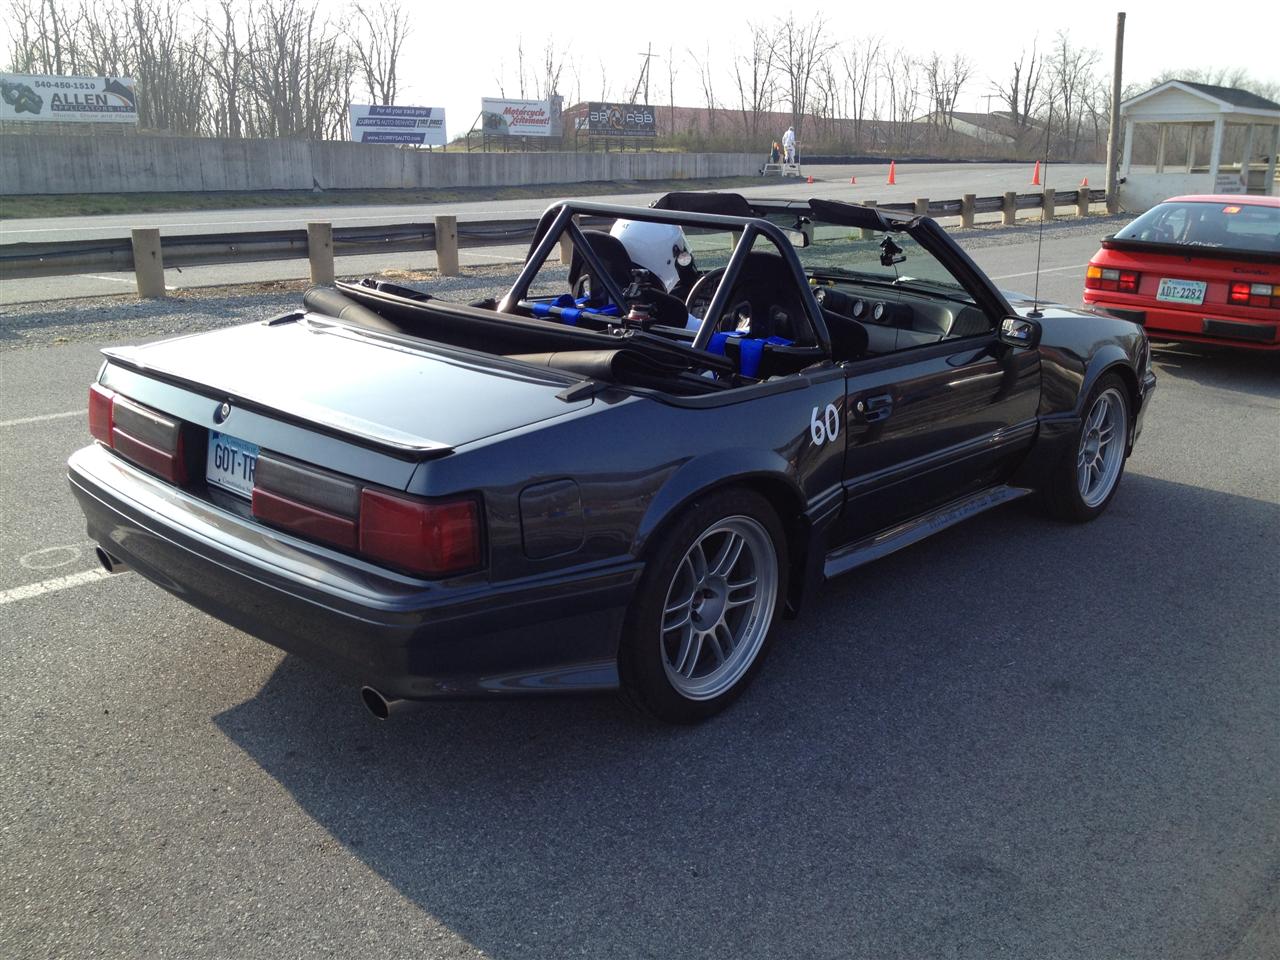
[[148, 262], [320, 252], [447, 246]]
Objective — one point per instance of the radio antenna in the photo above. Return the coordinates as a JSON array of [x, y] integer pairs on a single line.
[[1035, 297]]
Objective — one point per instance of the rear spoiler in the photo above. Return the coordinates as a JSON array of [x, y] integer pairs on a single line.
[[1187, 250]]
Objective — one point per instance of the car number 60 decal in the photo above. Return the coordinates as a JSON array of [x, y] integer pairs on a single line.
[[824, 429]]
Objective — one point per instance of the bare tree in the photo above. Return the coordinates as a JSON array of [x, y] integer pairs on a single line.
[[801, 47], [299, 71], [706, 79], [1071, 74], [1020, 92], [753, 75], [902, 86], [225, 63], [547, 83], [861, 63], [828, 100], [383, 28], [944, 80], [672, 72]]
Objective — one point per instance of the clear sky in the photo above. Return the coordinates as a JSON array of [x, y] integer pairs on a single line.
[[459, 48]]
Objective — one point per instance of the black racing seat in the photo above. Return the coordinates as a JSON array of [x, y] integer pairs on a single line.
[[612, 255], [777, 310]]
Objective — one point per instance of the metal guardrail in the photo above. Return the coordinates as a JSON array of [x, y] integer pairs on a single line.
[[69, 257]]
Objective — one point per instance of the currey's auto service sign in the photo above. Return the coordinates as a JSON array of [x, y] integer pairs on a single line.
[[68, 99], [621, 120], [519, 118], [421, 126]]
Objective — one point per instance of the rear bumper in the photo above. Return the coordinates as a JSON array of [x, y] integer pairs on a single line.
[[1190, 325], [409, 638]]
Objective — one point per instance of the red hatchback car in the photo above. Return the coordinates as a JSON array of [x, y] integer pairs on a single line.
[[1199, 268]]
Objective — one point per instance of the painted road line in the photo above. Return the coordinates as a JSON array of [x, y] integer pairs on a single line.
[[49, 586], [1032, 273], [42, 417], [130, 279]]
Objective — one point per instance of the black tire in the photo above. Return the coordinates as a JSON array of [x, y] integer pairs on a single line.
[[647, 651], [1063, 495]]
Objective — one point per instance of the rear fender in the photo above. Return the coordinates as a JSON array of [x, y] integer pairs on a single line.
[[763, 469]]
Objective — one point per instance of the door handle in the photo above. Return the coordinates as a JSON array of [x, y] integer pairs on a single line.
[[875, 409]]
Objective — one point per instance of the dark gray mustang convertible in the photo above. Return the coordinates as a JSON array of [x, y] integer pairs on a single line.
[[614, 479]]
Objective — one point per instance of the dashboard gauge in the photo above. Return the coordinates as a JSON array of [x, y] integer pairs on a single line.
[[859, 308], [877, 314]]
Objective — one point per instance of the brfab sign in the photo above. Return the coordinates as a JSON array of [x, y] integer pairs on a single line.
[[74, 99], [621, 120], [421, 126], [518, 118]]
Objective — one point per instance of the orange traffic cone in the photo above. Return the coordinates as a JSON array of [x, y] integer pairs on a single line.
[[893, 172], [853, 179], [810, 180], [1035, 177], [1084, 182]]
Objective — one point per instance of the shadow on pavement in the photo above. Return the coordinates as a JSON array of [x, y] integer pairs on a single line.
[[1018, 736], [1241, 371]]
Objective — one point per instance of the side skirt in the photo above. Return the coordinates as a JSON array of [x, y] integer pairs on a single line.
[[916, 529]]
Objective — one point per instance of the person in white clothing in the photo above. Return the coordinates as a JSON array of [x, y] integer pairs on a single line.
[[789, 144]]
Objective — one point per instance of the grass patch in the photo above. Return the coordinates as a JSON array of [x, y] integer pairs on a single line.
[[85, 204]]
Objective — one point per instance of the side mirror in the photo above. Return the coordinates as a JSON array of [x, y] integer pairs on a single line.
[[1020, 332]]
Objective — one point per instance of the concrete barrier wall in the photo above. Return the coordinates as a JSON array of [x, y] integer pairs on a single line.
[[43, 164]]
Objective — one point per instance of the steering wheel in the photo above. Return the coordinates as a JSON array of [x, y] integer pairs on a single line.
[[699, 298]]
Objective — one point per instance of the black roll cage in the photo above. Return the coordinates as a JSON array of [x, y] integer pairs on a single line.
[[558, 220]]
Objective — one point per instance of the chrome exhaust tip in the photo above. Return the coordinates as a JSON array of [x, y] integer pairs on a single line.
[[110, 563], [382, 706]]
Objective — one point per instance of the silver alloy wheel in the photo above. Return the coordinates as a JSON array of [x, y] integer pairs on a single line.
[[719, 607], [1102, 442]]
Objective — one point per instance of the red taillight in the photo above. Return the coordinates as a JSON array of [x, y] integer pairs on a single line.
[[100, 403], [304, 519], [1254, 294], [146, 437], [427, 537], [1105, 278], [419, 535]]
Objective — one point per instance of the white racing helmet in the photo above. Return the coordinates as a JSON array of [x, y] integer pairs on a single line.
[[655, 246]]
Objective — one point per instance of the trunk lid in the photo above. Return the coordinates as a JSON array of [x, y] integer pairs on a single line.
[[408, 398], [1217, 269]]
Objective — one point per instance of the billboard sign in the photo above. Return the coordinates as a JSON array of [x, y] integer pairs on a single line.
[[68, 99], [519, 118], [621, 120], [420, 126]]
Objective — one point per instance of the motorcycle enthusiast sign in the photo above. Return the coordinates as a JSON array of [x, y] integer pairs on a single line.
[[68, 99], [625, 120], [519, 118], [420, 126]]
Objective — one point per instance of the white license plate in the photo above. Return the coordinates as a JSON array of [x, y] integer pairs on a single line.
[[231, 463], [1181, 291]]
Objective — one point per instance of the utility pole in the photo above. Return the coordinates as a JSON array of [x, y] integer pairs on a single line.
[[643, 79], [1113, 132]]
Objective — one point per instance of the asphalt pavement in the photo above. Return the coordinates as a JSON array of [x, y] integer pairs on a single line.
[[1016, 739]]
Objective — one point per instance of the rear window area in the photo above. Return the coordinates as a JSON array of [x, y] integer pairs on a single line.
[[1230, 226]]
